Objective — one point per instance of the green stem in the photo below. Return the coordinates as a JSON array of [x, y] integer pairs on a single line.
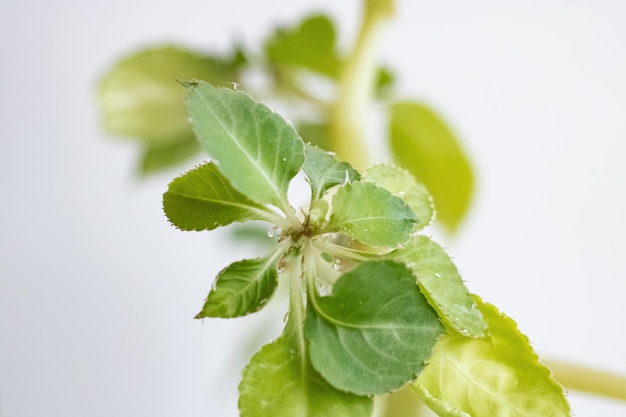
[[274, 218], [344, 252], [295, 324], [588, 380], [293, 86], [356, 85], [402, 403]]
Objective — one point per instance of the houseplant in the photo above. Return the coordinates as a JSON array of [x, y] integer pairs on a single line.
[[354, 80]]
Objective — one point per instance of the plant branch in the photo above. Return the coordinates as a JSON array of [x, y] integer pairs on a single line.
[[344, 252], [402, 403], [356, 86], [588, 380], [296, 308]]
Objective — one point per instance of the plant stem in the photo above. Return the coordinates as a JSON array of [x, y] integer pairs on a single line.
[[588, 380], [343, 251], [402, 403], [296, 308], [356, 86]]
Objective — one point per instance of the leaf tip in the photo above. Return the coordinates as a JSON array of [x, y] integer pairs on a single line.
[[187, 83]]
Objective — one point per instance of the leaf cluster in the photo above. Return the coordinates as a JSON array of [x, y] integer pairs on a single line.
[[373, 304], [139, 100]]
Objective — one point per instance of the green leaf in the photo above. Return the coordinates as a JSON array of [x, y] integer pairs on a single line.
[[374, 333], [317, 134], [423, 144], [384, 82], [324, 171], [311, 45], [159, 156], [371, 215], [280, 382], [496, 376], [254, 147], [242, 288], [442, 285], [402, 184], [202, 199], [140, 98]]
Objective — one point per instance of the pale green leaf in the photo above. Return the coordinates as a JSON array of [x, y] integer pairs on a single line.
[[140, 98], [371, 215], [280, 382], [311, 45], [254, 147], [159, 156], [374, 332], [422, 143], [499, 375], [324, 171], [402, 184], [202, 199], [242, 288], [442, 285]]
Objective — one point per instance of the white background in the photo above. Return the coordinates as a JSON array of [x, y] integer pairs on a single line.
[[98, 292]]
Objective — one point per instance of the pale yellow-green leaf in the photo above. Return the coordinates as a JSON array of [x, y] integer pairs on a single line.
[[498, 375]]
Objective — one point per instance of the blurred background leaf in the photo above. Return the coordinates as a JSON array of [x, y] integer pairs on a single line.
[[310, 45], [423, 144], [140, 99], [159, 156]]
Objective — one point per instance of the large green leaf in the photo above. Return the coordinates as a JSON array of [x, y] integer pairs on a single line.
[[402, 184], [423, 144], [202, 199], [254, 147], [311, 45], [140, 98], [442, 285], [374, 332], [371, 215], [495, 376], [242, 288], [280, 382], [324, 171]]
